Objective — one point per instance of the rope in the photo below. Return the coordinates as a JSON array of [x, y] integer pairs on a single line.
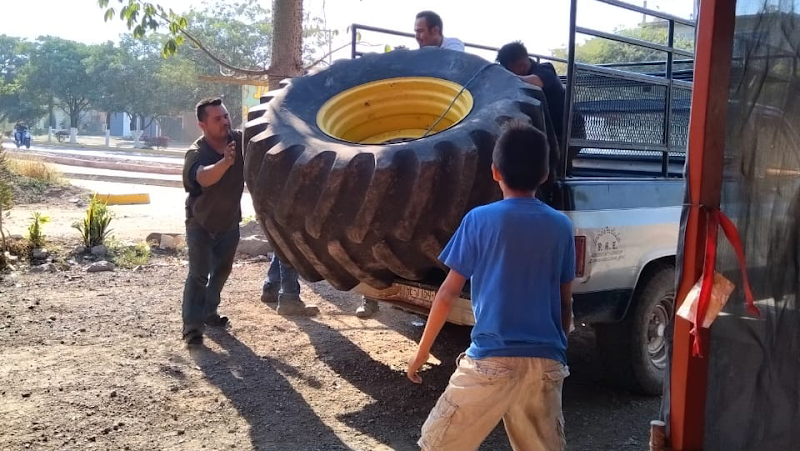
[[449, 107]]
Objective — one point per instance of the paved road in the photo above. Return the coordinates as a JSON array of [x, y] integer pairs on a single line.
[[168, 157]]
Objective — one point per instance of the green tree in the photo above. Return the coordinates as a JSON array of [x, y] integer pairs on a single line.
[[17, 102], [57, 67], [105, 67], [604, 51], [286, 46]]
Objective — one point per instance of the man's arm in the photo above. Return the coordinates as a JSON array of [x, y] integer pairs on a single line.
[[209, 175], [532, 79], [566, 307], [440, 310]]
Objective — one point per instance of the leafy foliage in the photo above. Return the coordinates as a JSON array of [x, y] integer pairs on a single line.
[[602, 51], [56, 67], [6, 198], [94, 228], [35, 233], [16, 100], [129, 256]]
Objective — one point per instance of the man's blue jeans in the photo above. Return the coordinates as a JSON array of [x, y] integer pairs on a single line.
[[210, 263], [284, 277]]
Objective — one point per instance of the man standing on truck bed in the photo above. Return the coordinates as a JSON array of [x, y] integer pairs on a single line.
[[213, 175], [514, 57], [519, 254], [428, 30]]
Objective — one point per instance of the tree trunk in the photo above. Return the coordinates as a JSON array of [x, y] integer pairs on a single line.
[[74, 114], [50, 112], [287, 41]]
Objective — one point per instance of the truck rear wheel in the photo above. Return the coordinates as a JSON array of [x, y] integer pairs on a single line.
[[634, 351], [342, 183]]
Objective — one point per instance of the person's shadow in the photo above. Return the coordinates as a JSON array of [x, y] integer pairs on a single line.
[[400, 407], [278, 416]]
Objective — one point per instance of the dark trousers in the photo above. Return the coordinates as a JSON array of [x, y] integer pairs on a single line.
[[282, 277], [210, 263]]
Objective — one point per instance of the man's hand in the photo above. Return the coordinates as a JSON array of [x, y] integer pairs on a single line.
[[230, 154], [440, 310], [414, 365], [209, 175]]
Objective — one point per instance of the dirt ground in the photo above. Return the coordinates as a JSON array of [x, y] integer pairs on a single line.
[[95, 361]]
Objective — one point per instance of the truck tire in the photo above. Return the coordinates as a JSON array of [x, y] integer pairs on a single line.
[[340, 186], [634, 352]]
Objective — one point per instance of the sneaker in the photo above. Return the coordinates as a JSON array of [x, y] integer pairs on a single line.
[[293, 306], [367, 308], [269, 294], [217, 321]]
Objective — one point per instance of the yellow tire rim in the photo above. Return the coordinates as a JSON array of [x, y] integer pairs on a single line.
[[392, 110]]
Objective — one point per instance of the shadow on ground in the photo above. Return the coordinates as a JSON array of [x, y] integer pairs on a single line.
[[276, 413], [598, 416]]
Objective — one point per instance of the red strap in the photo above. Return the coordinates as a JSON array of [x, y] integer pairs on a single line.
[[714, 219], [733, 237], [709, 264]]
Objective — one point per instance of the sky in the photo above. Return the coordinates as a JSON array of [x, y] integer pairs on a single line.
[[541, 24]]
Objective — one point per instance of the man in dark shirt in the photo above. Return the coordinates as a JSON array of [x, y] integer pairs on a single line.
[[514, 57], [213, 176]]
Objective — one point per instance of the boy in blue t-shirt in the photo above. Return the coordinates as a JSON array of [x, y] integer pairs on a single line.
[[520, 257]]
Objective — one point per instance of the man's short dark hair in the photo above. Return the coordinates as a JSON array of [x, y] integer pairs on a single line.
[[521, 155], [201, 107], [511, 53], [431, 20]]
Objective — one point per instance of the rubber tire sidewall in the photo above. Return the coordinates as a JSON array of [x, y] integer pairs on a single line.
[[304, 99]]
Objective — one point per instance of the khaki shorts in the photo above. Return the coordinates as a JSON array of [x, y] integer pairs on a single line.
[[525, 392]]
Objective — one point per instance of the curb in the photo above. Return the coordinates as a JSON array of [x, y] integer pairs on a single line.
[[117, 166], [126, 180], [108, 148], [130, 180], [124, 199]]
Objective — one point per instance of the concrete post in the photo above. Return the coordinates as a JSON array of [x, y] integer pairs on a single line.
[[108, 137]]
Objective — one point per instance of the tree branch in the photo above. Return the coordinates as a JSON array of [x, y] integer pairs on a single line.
[[199, 44], [325, 56], [152, 118]]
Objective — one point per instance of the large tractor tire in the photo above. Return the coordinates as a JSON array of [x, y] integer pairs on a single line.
[[342, 186]]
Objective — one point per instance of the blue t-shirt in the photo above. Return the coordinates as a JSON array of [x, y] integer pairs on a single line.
[[517, 252]]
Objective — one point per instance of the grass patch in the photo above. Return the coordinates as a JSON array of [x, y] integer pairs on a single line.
[[35, 170], [128, 255]]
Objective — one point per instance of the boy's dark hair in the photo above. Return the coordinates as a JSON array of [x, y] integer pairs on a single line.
[[521, 155], [511, 53], [431, 20], [201, 107]]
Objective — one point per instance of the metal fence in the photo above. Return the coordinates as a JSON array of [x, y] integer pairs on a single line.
[[637, 109]]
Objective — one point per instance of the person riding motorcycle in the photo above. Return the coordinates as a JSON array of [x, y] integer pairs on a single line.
[[21, 134]]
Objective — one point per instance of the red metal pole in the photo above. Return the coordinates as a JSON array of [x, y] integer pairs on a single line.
[[707, 125]]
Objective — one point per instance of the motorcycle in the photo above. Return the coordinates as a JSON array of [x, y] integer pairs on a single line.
[[23, 138]]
